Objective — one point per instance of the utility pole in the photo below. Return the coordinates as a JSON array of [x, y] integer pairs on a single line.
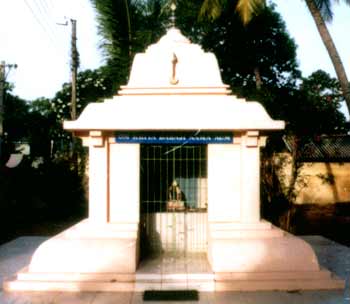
[[74, 68], [3, 75]]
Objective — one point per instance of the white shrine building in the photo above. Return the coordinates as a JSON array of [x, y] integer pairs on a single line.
[[174, 172]]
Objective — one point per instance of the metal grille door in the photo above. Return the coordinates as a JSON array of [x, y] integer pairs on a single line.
[[173, 199]]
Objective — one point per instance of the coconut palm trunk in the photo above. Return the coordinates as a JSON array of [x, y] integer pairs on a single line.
[[332, 50]]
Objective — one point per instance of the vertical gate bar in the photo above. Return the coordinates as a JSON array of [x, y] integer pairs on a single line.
[[199, 191], [155, 190], [185, 241], [166, 199], [205, 180], [206, 198], [200, 196], [173, 213], [148, 192], [160, 197], [203, 158], [186, 179], [191, 177]]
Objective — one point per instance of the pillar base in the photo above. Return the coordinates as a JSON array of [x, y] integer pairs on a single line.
[[85, 252], [243, 257], [259, 256]]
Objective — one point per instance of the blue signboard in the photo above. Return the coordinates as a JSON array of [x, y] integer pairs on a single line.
[[174, 138]]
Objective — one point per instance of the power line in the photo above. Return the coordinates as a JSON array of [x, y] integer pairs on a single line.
[[39, 21], [46, 13], [47, 23], [51, 4], [43, 15], [49, 34], [45, 6]]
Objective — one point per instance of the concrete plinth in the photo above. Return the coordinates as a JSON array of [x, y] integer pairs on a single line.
[[187, 272], [262, 257], [83, 253]]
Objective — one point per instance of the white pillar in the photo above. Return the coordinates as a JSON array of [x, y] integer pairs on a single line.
[[124, 183], [224, 162], [98, 178], [250, 178]]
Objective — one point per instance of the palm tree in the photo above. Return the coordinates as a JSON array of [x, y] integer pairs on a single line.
[[246, 8], [115, 27], [321, 11], [126, 27]]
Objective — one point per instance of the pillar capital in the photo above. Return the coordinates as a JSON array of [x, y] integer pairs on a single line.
[[252, 139], [96, 138]]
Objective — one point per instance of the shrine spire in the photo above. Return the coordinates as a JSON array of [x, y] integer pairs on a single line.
[[173, 17]]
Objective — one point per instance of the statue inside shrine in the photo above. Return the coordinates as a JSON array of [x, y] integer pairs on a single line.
[[175, 201]]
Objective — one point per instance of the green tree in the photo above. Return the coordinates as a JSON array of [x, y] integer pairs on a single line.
[[41, 125], [310, 108], [126, 27], [253, 47], [92, 86], [29, 122], [15, 118], [260, 54], [317, 111], [321, 11]]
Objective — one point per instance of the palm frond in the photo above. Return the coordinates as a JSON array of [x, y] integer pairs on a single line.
[[211, 9], [325, 8], [248, 8]]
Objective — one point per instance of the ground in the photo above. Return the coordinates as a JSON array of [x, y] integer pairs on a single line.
[[16, 254]]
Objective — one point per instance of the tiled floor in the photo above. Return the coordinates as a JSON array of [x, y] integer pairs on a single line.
[[168, 263], [335, 257], [191, 271]]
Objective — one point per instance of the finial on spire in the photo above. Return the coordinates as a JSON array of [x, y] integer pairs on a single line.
[[173, 9]]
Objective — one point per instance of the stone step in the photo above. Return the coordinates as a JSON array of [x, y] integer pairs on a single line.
[[71, 286], [277, 275], [84, 229], [198, 285], [247, 234], [237, 285], [174, 277], [168, 278], [101, 234], [24, 275], [262, 225], [282, 285]]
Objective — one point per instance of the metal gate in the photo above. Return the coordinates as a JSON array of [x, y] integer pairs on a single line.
[[173, 199]]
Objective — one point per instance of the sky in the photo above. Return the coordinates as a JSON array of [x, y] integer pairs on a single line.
[[311, 53], [32, 37]]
